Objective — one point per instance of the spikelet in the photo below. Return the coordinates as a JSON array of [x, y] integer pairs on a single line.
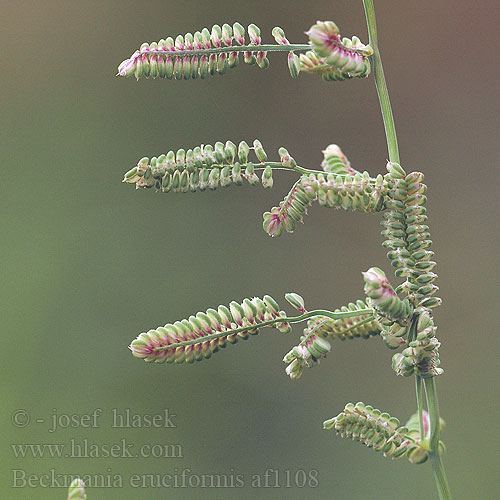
[[384, 299], [203, 167], [296, 301], [346, 328], [407, 236], [336, 58], [198, 55], [199, 336], [373, 428], [422, 355], [76, 490]]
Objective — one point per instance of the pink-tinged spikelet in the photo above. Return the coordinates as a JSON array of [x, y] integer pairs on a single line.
[[383, 297], [377, 286], [346, 55]]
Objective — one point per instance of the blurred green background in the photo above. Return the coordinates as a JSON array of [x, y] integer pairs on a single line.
[[88, 263]]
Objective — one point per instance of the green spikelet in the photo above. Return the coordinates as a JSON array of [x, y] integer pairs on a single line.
[[76, 490], [201, 168], [199, 336]]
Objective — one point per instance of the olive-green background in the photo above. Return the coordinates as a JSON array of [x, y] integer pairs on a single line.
[[88, 262]]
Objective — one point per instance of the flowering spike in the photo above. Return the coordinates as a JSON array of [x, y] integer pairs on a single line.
[[407, 235], [76, 490], [203, 167], [380, 431], [201, 335], [358, 193], [207, 52]]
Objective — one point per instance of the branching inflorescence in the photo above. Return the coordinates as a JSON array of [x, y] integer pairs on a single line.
[[401, 316]]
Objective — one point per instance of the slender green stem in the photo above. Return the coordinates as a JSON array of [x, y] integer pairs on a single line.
[[296, 319], [419, 391], [275, 165], [437, 464], [232, 48], [383, 93], [392, 145]]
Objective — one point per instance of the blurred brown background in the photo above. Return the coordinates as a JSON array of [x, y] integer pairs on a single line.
[[88, 262]]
